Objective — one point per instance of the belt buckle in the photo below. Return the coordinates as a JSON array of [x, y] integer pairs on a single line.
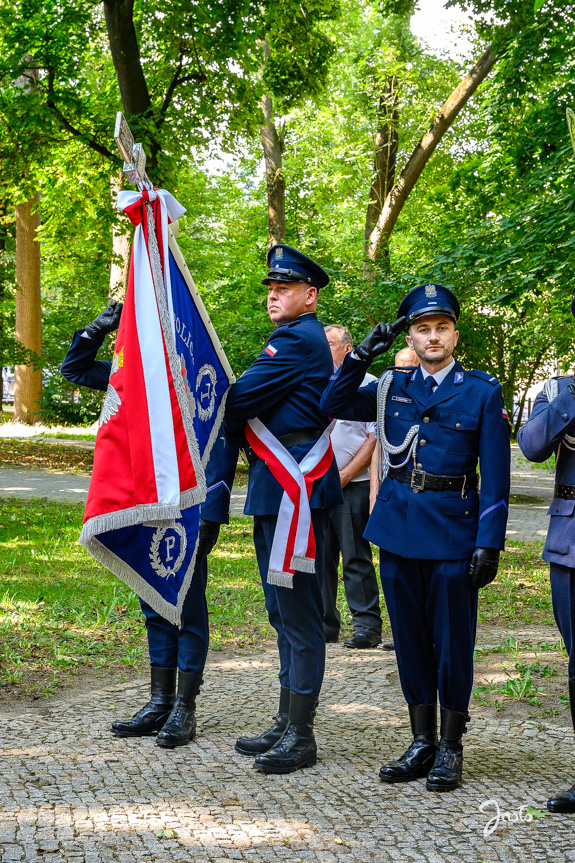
[[417, 481]]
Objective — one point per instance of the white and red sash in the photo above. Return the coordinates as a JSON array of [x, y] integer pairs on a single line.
[[294, 541]]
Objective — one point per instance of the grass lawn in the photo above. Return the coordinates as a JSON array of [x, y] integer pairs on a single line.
[[61, 613], [64, 618], [38, 455]]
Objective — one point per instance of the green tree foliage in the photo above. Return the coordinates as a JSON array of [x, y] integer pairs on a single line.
[[492, 216]]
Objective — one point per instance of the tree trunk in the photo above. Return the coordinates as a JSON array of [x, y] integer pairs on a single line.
[[273, 147], [272, 144], [121, 242], [3, 234], [125, 52], [28, 380], [136, 102], [529, 383], [385, 160], [398, 195]]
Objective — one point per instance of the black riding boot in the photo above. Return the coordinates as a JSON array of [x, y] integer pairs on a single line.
[[265, 741], [180, 725], [297, 748], [445, 775], [564, 801], [152, 715], [418, 759]]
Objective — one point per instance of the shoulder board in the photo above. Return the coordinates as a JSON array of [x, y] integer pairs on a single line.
[[558, 378], [484, 376]]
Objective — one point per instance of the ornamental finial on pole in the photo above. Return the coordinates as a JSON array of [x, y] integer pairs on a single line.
[[133, 154]]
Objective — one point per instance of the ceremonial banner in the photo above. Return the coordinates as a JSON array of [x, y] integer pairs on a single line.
[[160, 418]]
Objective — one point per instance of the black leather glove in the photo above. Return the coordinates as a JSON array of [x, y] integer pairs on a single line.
[[106, 322], [379, 340], [483, 567], [207, 538]]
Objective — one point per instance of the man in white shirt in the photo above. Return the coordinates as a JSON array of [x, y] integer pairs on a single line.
[[353, 444]]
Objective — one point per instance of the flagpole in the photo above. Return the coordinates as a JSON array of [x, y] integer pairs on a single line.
[[135, 171]]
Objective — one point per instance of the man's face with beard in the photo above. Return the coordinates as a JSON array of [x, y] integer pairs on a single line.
[[433, 338]]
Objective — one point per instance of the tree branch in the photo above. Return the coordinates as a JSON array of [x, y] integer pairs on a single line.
[[76, 133], [442, 121]]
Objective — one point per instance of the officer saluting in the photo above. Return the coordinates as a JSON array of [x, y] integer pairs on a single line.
[[440, 541], [275, 404], [551, 429]]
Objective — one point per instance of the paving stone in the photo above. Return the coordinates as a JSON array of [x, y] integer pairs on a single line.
[[100, 799]]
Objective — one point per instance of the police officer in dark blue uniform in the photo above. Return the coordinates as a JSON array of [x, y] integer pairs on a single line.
[[439, 539], [283, 388], [551, 429], [171, 708]]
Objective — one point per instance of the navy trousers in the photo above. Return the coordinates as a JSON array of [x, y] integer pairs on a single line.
[[184, 647], [563, 599], [296, 614], [433, 615], [345, 533]]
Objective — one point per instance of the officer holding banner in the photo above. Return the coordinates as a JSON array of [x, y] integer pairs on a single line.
[[293, 480], [440, 541], [177, 654]]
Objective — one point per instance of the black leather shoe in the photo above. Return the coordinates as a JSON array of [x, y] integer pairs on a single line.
[[152, 716], [563, 801], [445, 775], [331, 639], [267, 740], [362, 640], [180, 726], [297, 748], [388, 645], [418, 760]]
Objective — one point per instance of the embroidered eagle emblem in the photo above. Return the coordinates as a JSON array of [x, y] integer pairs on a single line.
[[112, 403]]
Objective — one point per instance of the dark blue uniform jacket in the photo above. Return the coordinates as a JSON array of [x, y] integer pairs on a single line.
[[462, 422], [81, 367], [282, 388], [540, 437]]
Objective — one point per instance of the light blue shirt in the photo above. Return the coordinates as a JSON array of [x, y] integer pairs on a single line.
[[438, 376]]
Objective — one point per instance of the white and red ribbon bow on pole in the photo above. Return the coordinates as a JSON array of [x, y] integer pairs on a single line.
[[294, 541]]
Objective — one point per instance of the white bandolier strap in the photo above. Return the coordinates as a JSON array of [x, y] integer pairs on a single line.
[[293, 546], [384, 448], [552, 391]]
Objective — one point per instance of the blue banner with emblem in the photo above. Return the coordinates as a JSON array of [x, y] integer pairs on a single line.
[[155, 552]]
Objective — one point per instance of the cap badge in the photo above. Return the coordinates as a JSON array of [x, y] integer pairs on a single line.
[[279, 252], [430, 291]]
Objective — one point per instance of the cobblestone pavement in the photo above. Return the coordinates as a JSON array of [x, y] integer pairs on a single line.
[[69, 791]]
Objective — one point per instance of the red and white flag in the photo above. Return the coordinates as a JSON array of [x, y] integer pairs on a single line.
[[142, 515]]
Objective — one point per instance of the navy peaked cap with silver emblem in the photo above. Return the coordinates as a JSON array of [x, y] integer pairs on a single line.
[[288, 265], [431, 299]]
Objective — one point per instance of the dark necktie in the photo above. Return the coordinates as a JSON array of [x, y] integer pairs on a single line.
[[430, 382]]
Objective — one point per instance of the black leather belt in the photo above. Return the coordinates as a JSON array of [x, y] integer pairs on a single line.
[[565, 492], [288, 440], [421, 479]]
